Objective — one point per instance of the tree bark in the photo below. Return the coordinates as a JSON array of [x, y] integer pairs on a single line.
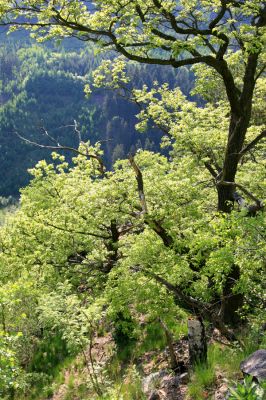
[[241, 107], [197, 341], [225, 198], [231, 302]]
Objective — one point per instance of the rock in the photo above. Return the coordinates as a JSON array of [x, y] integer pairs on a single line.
[[170, 388], [255, 365], [161, 386], [152, 381], [184, 378], [170, 382], [222, 392], [155, 395]]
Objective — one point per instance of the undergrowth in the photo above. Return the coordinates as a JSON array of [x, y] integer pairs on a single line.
[[223, 362], [121, 377]]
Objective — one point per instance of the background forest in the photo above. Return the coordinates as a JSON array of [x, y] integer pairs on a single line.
[[42, 86]]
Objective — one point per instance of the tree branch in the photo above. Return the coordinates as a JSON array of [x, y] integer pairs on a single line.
[[241, 187], [250, 146], [60, 148], [196, 306], [260, 72], [139, 179], [74, 231], [152, 223]]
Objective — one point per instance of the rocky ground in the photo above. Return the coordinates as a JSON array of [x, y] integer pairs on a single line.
[[158, 382]]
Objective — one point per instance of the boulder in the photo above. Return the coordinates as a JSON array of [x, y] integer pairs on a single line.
[[161, 386], [170, 382], [255, 365]]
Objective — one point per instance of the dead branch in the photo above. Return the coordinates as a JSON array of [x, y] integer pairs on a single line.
[[59, 147], [140, 183]]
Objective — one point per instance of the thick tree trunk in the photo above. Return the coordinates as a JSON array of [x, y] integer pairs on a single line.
[[225, 198], [231, 302], [241, 107], [236, 138], [240, 118], [197, 341]]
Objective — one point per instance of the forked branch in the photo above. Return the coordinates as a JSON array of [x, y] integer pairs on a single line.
[[58, 147], [155, 225]]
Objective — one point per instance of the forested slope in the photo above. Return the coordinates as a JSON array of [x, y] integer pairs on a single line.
[[42, 86]]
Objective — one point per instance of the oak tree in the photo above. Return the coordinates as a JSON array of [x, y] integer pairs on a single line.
[[171, 33]]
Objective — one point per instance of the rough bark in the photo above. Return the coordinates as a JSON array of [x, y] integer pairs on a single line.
[[197, 341]]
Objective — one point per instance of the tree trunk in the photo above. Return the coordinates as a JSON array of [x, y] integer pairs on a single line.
[[231, 302], [225, 198], [241, 107], [197, 341], [169, 338]]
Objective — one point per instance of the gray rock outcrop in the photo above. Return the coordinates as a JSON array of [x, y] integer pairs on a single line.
[[255, 365]]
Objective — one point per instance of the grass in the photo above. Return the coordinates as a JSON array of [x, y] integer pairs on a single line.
[[71, 389], [46, 371], [51, 351], [128, 387], [121, 379], [202, 381], [224, 361], [42, 385]]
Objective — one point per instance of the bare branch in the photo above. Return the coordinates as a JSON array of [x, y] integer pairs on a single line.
[[211, 169], [76, 232], [59, 147], [152, 223], [261, 136], [191, 302], [139, 179]]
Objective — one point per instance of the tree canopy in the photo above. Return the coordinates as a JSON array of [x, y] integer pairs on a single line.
[[171, 33]]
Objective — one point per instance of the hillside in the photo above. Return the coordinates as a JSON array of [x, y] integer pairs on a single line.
[[132, 265], [42, 86]]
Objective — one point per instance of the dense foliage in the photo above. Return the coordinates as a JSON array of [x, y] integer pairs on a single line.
[[82, 240], [160, 236]]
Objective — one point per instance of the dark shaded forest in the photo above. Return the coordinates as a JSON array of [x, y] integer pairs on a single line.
[[42, 88]]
